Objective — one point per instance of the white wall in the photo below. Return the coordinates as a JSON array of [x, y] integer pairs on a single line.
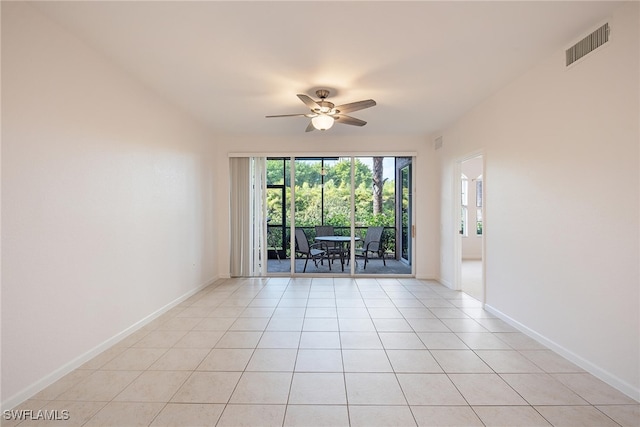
[[317, 143], [107, 202], [562, 202]]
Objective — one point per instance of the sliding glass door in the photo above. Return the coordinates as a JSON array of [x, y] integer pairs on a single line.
[[345, 209]]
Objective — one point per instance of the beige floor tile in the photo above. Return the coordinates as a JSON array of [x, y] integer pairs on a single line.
[[353, 313], [442, 341], [519, 341], [279, 339], [293, 324], [160, 339], [445, 416], [319, 324], [428, 325], [463, 325], [381, 416], [135, 359], [447, 312], [356, 325], [327, 340], [215, 324], [430, 389], [262, 388], [100, 386], [593, 390], [392, 325], [486, 389], [550, 362], [321, 302], [207, 387], [542, 389], [373, 389], [258, 312], [226, 359], [401, 341], [507, 361], [250, 324], [63, 384], [239, 339], [482, 341], [252, 415], [188, 414], [180, 359], [202, 311], [292, 301], [460, 361], [264, 302], [413, 361], [199, 339], [416, 312], [360, 340], [385, 313], [324, 312], [572, 416], [318, 360], [230, 312], [103, 358], [510, 416], [316, 416], [153, 386], [287, 312], [366, 361], [317, 389], [625, 415], [496, 325], [179, 324], [118, 414], [272, 359]]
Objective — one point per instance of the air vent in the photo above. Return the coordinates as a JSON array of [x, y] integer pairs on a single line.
[[588, 44], [437, 144]]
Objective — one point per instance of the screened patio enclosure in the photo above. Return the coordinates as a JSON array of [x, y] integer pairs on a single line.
[[343, 197]]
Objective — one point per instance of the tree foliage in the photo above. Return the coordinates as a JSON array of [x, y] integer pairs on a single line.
[[309, 191]]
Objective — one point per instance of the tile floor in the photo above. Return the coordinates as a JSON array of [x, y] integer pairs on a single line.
[[331, 352]]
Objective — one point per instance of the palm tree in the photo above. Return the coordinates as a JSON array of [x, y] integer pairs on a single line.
[[378, 183]]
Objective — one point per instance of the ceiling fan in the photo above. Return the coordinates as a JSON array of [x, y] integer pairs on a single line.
[[324, 113]]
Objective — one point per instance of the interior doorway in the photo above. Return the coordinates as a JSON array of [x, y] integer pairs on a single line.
[[471, 230]]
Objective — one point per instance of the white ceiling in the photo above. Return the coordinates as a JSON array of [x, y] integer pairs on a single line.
[[231, 63]]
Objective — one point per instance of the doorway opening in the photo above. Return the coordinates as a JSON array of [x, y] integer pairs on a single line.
[[470, 253]]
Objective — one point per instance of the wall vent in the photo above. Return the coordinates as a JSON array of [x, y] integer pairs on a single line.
[[437, 143], [588, 44]]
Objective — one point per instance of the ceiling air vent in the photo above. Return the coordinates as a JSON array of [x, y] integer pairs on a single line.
[[588, 44], [437, 143]]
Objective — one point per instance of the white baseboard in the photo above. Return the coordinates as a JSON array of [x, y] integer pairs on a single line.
[[65, 369], [619, 384], [445, 283]]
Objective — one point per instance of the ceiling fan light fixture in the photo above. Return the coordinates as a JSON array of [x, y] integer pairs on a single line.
[[322, 122]]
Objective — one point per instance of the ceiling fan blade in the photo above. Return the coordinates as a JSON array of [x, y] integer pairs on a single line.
[[310, 127], [286, 115], [313, 105], [348, 120], [355, 106]]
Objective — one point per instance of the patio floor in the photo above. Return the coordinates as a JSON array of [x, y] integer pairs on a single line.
[[374, 266]]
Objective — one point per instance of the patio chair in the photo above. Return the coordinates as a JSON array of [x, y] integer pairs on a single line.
[[372, 244], [314, 252]]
